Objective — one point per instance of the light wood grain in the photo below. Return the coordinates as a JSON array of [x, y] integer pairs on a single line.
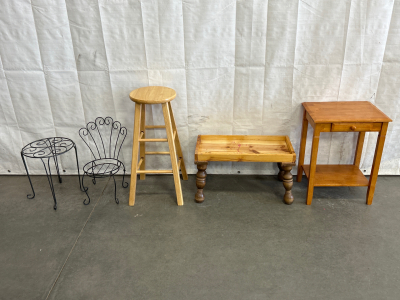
[[142, 143], [244, 148], [135, 153], [337, 175], [178, 144], [154, 172], [172, 150], [152, 95], [157, 153], [153, 140], [344, 111], [155, 126]]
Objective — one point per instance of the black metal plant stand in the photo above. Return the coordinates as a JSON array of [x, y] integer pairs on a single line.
[[47, 149], [104, 137]]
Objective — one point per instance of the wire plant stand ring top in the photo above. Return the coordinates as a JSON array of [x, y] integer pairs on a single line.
[[104, 137], [47, 147]]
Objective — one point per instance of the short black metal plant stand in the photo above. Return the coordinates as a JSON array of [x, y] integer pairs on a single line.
[[46, 149], [104, 137]]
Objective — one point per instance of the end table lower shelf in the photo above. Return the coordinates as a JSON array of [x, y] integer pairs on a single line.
[[337, 175]]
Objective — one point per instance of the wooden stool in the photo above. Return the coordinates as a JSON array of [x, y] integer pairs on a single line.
[[155, 95]]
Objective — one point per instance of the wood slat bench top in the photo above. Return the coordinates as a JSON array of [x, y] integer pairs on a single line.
[[248, 148]]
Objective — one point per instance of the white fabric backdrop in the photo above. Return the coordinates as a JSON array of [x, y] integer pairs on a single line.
[[239, 67]]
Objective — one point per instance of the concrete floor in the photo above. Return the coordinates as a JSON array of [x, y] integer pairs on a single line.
[[241, 243]]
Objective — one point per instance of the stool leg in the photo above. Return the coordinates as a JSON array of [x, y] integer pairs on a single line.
[[135, 152], [143, 144], [178, 144], [172, 152]]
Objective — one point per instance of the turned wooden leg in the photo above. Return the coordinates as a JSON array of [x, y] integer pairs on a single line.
[[287, 183], [200, 181], [281, 172]]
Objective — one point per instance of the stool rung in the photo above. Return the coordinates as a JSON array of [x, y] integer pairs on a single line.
[[153, 140], [157, 153], [154, 172], [139, 163], [154, 126]]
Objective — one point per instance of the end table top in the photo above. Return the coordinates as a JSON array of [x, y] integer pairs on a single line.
[[250, 148], [344, 111]]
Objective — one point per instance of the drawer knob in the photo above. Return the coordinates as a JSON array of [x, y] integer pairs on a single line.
[[353, 127]]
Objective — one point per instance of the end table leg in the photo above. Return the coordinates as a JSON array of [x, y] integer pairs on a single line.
[[200, 181], [375, 166], [313, 164], [287, 178], [302, 147]]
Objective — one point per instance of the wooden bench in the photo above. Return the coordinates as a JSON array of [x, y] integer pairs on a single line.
[[247, 148]]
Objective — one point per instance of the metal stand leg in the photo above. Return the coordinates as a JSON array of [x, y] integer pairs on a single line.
[[48, 173], [77, 165], [58, 171], [85, 189], [115, 191], [124, 184], [27, 173]]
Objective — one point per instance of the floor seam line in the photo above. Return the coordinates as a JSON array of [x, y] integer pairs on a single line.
[[76, 241]]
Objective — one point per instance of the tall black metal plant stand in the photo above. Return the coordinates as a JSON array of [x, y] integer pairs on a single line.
[[104, 137], [47, 149]]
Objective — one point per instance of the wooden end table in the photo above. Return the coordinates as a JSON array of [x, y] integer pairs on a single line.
[[249, 148], [341, 116]]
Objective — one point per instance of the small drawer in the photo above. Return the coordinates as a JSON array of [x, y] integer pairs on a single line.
[[356, 127]]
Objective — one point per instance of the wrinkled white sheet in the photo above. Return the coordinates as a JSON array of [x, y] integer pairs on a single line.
[[239, 67]]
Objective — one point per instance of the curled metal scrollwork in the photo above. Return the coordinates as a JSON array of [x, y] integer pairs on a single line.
[[104, 137], [47, 147]]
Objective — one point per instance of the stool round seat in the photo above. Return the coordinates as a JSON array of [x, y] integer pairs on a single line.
[[152, 95]]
